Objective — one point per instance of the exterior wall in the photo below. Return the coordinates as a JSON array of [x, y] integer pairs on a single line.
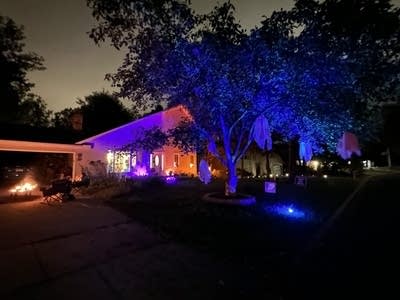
[[184, 166]]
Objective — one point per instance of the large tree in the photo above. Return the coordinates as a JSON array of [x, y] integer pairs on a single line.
[[362, 36], [228, 79], [210, 68], [100, 111], [15, 63]]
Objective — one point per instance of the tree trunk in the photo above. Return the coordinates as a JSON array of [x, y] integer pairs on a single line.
[[231, 183], [242, 171], [267, 167], [389, 159]]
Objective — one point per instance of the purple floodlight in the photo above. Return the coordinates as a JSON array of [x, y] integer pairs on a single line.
[[140, 171], [170, 179]]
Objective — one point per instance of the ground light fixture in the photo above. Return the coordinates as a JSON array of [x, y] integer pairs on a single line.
[[289, 211]]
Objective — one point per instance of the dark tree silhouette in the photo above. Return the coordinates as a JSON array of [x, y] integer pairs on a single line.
[[62, 119], [15, 63], [102, 111], [33, 111]]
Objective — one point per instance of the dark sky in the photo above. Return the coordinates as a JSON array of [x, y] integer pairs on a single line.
[[57, 30]]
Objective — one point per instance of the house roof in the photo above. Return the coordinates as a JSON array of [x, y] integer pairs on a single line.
[[42, 147], [39, 134], [137, 122]]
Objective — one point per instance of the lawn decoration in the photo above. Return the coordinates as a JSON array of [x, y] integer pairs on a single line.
[[204, 172], [348, 145]]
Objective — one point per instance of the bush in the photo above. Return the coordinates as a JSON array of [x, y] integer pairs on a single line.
[[148, 182], [107, 187]]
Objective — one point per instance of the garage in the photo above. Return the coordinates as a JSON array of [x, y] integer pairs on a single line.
[[52, 159]]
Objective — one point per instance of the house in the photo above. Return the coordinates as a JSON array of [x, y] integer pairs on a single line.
[[106, 153]]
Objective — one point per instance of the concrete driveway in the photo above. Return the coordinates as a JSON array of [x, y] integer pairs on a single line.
[[85, 250]]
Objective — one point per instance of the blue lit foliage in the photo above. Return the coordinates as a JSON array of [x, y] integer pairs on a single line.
[[348, 52], [227, 78]]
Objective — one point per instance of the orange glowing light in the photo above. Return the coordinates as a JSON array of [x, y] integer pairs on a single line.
[[23, 188]]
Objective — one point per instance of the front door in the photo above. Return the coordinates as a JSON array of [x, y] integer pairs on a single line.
[[157, 162]]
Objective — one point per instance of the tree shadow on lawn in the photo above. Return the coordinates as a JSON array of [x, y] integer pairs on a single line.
[[245, 234]]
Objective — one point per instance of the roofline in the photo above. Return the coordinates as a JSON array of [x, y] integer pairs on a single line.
[[33, 146], [125, 125]]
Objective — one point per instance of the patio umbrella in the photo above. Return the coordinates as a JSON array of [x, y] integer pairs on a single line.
[[305, 151], [347, 145], [262, 133], [204, 172]]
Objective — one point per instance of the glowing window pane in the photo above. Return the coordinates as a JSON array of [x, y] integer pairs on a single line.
[[156, 160], [110, 156], [133, 161], [110, 161], [176, 160], [121, 162]]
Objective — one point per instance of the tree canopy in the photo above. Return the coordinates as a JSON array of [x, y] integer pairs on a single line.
[[309, 73], [15, 63], [100, 111], [361, 35], [33, 111]]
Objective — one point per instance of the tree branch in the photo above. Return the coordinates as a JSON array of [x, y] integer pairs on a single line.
[[225, 139], [249, 141], [239, 142], [236, 122]]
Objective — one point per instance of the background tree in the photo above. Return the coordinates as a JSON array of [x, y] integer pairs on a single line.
[[14, 66], [62, 118], [32, 110], [361, 36], [102, 111], [361, 39]]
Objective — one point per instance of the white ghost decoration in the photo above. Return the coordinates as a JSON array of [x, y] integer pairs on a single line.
[[212, 148], [305, 151], [204, 172], [262, 133], [347, 145]]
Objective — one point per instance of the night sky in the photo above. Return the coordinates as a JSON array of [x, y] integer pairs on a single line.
[[75, 66]]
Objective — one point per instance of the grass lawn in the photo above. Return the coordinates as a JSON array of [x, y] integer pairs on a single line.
[[250, 235]]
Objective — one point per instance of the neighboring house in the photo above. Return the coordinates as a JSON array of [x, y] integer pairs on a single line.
[[106, 154], [253, 163]]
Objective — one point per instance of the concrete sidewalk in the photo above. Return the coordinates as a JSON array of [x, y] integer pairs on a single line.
[[84, 249]]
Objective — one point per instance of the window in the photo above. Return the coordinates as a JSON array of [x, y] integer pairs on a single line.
[[176, 160], [118, 161], [122, 162], [156, 160], [191, 164], [133, 160]]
